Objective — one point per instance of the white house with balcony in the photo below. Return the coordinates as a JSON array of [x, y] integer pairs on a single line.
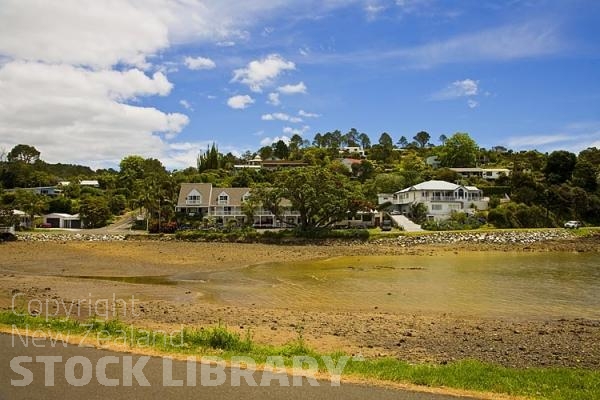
[[225, 204], [441, 199]]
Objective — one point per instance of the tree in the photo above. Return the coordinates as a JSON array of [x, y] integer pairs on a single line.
[[281, 150], [385, 141], [296, 143], [443, 139], [210, 159], [365, 141], [559, 167], [320, 196], [402, 142], [363, 171], [7, 216], [459, 151], [31, 203], [351, 138], [265, 152], [318, 140], [591, 155], [422, 138], [24, 153], [585, 176], [94, 211]]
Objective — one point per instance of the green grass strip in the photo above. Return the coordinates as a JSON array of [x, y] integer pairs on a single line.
[[537, 383]]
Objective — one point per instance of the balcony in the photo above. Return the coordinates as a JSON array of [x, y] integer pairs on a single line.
[[193, 202]]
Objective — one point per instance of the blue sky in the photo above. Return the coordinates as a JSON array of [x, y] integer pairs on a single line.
[[91, 82]]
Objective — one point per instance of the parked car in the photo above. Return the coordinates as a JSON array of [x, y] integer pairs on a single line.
[[573, 224], [386, 225], [395, 212]]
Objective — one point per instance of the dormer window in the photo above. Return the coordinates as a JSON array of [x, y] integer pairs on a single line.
[[246, 197], [223, 199], [193, 198]]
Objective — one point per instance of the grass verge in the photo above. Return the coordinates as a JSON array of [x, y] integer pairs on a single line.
[[470, 375]]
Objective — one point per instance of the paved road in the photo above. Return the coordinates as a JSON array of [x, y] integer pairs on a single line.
[[152, 371]]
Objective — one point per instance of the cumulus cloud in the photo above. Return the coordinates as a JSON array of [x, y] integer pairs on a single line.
[[78, 115], [240, 102], [72, 72], [274, 99], [199, 63], [299, 88], [260, 73], [464, 88], [305, 114], [280, 117], [472, 103]]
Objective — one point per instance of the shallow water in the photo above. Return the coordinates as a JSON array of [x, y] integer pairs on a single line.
[[478, 284]]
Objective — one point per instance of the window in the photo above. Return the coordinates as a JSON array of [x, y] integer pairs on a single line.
[[245, 197], [436, 207], [193, 198], [223, 199]]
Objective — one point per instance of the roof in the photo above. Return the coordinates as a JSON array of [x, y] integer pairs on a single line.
[[62, 215], [466, 169], [235, 195], [204, 189], [92, 182], [437, 185]]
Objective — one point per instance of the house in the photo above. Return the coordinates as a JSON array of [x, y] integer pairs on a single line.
[[62, 220], [353, 150], [270, 163], [90, 183], [24, 220], [349, 162], [490, 174], [433, 162], [226, 204], [43, 190], [441, 199]]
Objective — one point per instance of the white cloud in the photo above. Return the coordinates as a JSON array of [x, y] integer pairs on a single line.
[[510, 42], [504, 43], [199, 63], [228, 43], [267, 141], [274, 99], [186, 105], [456, 89], [472, 103], [299, 88], [288, 130], [260, 73], [240, 102], [373, 10], [77, 115], [61, 89], [573, 137], [305, 114], [280, 117]]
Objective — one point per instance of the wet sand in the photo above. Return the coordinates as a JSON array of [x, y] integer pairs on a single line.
[[49, 271]]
